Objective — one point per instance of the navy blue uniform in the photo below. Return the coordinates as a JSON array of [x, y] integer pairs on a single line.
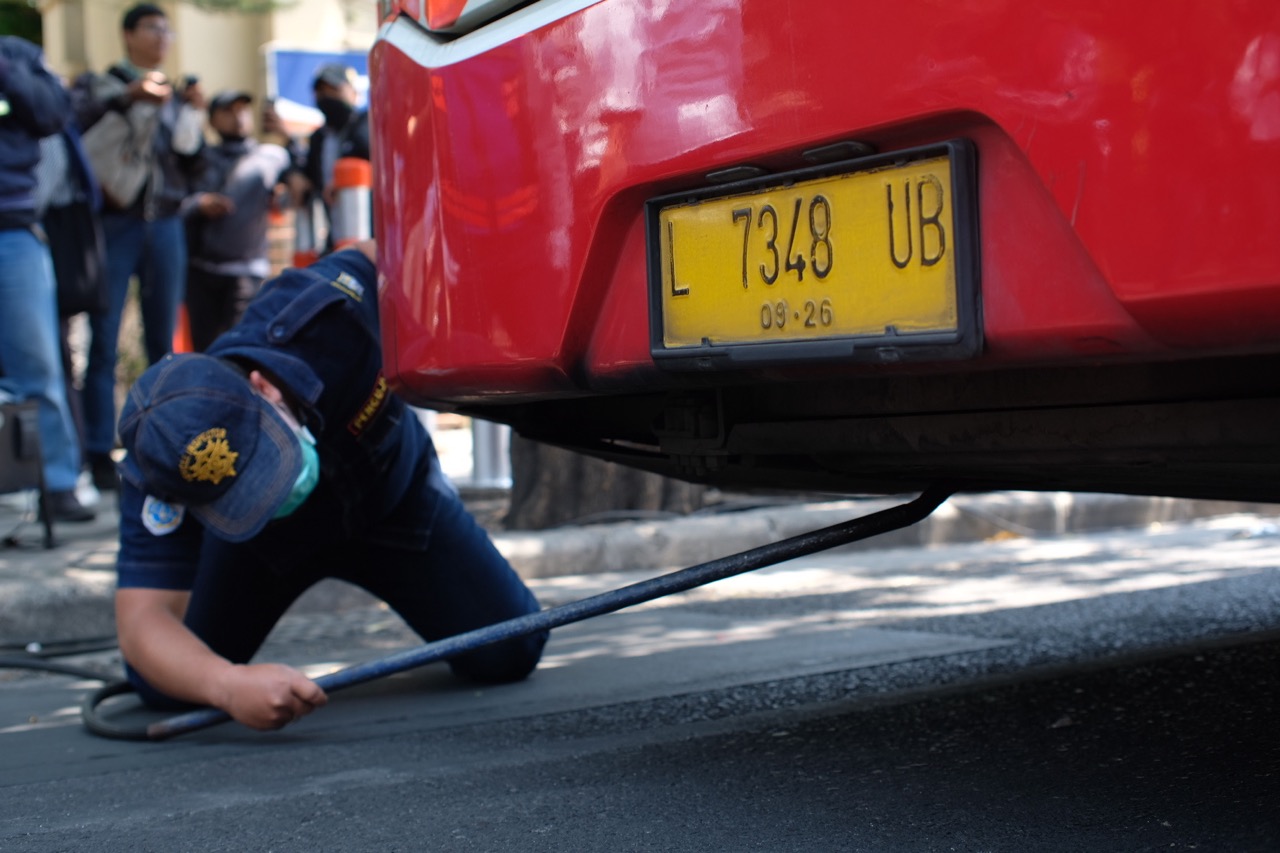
[[382, 517]]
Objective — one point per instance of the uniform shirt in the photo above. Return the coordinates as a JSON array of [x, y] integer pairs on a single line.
[[314, 332]]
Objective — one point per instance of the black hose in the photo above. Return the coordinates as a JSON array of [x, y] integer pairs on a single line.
[[37, 657], [45, 665], [853, 530], [94, 721], [62, 648]]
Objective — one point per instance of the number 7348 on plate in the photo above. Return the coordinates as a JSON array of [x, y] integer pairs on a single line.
[[866, 253]]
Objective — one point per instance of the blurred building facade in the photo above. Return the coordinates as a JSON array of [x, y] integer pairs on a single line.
[[225, 49]]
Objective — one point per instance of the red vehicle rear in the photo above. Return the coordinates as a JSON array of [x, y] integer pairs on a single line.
[[847, 246]]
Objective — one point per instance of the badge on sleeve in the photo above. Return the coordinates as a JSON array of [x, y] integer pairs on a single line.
[[161, 518], [348, 285]]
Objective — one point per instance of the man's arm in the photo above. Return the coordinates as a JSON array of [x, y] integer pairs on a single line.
[[86, 107], [93, 95], [176, 662], [206, 199], [159, 549], [368, 248], [36, 97], [188, 125]]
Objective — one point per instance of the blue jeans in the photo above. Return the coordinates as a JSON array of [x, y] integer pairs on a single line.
[[156, 252], [30, 350]]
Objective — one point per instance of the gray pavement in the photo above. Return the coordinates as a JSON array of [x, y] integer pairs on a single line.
[[896, 699], [65, 592]]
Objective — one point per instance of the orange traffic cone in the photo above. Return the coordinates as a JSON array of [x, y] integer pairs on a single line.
[[306, 244], [182, 332], [350, 216]]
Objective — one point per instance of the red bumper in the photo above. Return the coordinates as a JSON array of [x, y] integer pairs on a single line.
[[1128, 166]]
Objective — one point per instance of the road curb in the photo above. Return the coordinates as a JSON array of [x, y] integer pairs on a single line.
[[66, 592], [673, 543]]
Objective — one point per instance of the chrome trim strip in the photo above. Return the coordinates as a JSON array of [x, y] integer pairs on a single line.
[[429, 52]]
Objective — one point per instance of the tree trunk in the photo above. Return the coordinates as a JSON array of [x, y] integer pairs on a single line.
[[551, 486]]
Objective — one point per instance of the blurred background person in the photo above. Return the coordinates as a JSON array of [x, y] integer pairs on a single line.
[[33, 105], [144, 228], [227, 219], [345, 133], [69, 205]]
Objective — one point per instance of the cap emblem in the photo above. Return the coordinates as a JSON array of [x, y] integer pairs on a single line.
[[209, 458]]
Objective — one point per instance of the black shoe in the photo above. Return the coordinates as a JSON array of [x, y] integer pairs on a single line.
[[65, 506], [103, 469]]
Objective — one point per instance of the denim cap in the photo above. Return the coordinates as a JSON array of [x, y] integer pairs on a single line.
[[197, 434]]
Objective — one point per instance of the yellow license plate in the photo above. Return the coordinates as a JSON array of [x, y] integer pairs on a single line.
[[868, 253]]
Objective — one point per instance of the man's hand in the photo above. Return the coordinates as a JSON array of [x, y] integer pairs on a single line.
[[150, 88], [369, 248], [214, 205], [194, 95], [176, 662], [280, 197], [270, 120], [299, 186], [268, 696]]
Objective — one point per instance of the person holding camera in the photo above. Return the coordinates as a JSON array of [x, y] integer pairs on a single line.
[[144, 136]]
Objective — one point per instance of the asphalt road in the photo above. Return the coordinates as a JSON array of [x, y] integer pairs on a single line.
[[1108, 692]]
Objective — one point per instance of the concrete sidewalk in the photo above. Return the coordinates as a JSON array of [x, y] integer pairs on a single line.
[[65, 592]]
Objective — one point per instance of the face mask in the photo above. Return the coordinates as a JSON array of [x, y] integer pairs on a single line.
[[307, 477], [336, 111]]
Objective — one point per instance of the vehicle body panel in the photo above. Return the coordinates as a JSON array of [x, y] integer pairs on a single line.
[[1127, 160]]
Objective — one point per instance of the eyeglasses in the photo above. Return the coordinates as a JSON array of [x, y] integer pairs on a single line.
[[159, 30]]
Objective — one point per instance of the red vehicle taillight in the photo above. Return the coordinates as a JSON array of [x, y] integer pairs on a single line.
[[442, 14], [388, 9], [447, 17]]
